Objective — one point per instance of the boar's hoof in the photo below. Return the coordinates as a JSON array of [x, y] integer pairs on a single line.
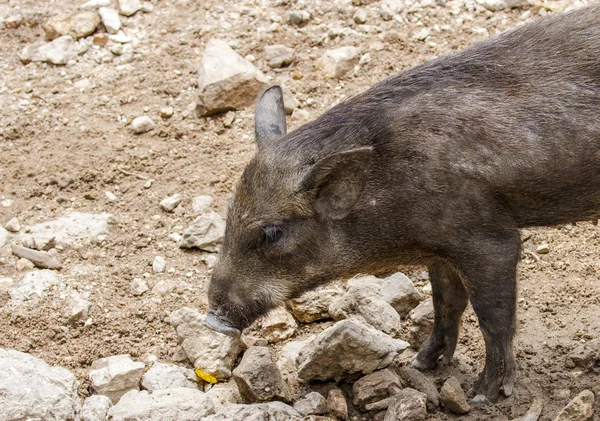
[[217, 323], [479, 400], [423, 365]]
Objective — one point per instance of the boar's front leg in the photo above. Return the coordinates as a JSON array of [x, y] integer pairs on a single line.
[[488, 265], [449, 303]]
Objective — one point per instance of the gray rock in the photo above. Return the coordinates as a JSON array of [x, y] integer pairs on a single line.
[[225, 393], [399, 291], [271, 411], [290, 103], [312, 404], [142, 124], [581, 408], [138, 286], [110, 19], [40, 259], [287, 362], [586, 353], [181, 404], [33, 285], [336, 63], [201, 204], [205, 233], [408, 404], [258, 378], [347, 347], [421, 382], [78, 308], [422, 318], [30, 389], [314, 305], [226, 81], [13, 226], [67, 231], [336, 403], [77, 25], [129, 7], [279, 55], [298, 17], [375, 387], [360, 16], [185, 315], [371, 310], [168, 376], [3, 237], [95, 408], [114, 376], [159, 264], [58, 52], [453, 397], [496, 5], [278, 325], [169, 204]]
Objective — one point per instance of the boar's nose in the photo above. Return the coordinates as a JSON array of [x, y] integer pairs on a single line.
[[222, 324]]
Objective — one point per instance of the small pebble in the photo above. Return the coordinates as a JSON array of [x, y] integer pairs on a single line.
[[166, 112], [142, 124], [13, 225]]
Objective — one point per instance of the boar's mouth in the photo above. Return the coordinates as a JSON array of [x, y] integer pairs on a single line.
[[221, 324]]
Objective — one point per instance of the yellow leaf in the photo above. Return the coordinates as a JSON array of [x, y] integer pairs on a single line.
[[205, 376]]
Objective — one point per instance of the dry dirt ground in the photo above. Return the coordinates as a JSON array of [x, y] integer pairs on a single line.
[[63, 147]]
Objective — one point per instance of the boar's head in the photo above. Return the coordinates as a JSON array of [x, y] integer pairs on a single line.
[[284, 233]]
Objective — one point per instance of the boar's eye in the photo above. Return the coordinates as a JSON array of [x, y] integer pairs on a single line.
[[271, 234]]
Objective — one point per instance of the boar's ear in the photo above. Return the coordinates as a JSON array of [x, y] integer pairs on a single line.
[[269, 115], [337, 181]]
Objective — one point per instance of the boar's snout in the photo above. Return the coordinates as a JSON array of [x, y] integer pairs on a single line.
[[221, 324]]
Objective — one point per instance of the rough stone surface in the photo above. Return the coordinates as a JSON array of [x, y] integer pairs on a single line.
[[581, 408], [3, 237], [421, 382], [271, 411], [279, 55], [453, 397], [181, 404], [371, 310], [422, 318], [168, 204], [314, 305], [408, 404], [110, 19], [168, 376], [312, 404], [58, 52], [95, 408], [77, 25], [40, 259], [142, 124], [138, 286], [287, 362], [129, 7], [201, 204], [336, 63], [33, 285], [225, 393], [586, 353], [258, 378], [30, 389], [278, 325], [336, 403], [290, 103], [226, 81], [205, 232], [375, 387], [159, 264], [347, 347], [114, 376], [68, 230], [298, 17]]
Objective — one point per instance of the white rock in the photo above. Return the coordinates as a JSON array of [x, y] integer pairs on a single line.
[[185, 315], [287, 362], [581, 408], [170, 203], [270, 411], [110, 196], [3, 237], [114, 376], [360, 16], [147, 7], [33, 285], [138, 286], [226, 80], [278, 55], [181, 404], [371, 310], [142, 124], [347, 347], [30, 389], [200, 204], [94, 4], [336, 63], [13, 226], [168, 376], [225, 393], [298, 17], [77, 25], [543, 248], [120, 37], [95, 408], [66, 231], [59, 51], [205, 233], [314, 305], [496, 5], [110, 19], [278, 325], [5, 285], [290, 103], [7, 203], [78, 308], [129, 7], [159, 264]]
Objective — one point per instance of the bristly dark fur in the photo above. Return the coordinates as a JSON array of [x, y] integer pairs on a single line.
[[438, 165]]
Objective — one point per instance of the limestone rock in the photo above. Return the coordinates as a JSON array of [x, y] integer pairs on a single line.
[[375, 387], [279, 55], [225, 393], [371, 310], [496, 5], [114, 376], [422, 319], [581, 408], [312, 404], [258, 378], [278, 325], [168, 376], [169, 204], [314, 305], [95, 408], [336, 63], [3, 237], [110, 19], [181, 404], [421, 382], [271, 411], [40, 259], [129, 7], [77, 25], [33, 285], [30, 389], [201, 204], [453, 397], [347, 347], [226, 80], [58, 52], [290, 103], [142, 124], [408, 404], [159, 264], [336, 403], [205, 233], [298, 17], [287, 362]]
